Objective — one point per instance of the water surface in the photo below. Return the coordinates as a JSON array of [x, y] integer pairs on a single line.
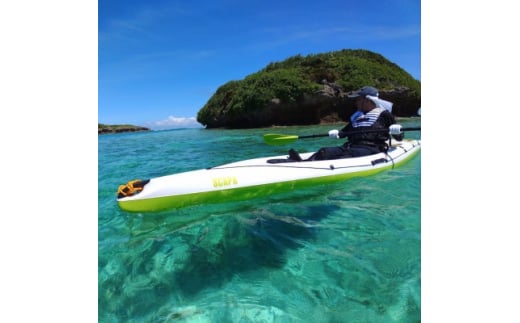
[[345, 252]]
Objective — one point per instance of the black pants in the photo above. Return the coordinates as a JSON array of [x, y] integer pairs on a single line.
[[344, 152]]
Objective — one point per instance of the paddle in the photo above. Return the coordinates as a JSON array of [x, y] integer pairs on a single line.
[[279, 139]]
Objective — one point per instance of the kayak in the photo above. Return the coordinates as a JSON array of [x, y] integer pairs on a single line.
[[253, 178]]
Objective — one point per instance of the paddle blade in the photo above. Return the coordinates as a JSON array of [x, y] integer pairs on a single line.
[[278, 140]]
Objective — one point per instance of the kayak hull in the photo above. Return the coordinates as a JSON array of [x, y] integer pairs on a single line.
[[253, 178]]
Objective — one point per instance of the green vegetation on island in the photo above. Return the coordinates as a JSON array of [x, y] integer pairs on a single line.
[[104, 129], [309, 90]]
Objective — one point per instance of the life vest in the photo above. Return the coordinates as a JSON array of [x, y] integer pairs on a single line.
[[360, 119]]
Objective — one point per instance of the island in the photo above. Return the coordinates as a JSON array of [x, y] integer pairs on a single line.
[[105, 129], [309, 90]]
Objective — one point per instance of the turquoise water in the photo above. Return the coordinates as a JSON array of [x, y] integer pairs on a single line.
[[346, 252]]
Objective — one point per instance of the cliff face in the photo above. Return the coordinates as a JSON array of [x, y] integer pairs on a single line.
[[328, 105], [309, 90]]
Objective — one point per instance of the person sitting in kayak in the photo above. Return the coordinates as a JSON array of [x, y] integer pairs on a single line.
[[372, 113]]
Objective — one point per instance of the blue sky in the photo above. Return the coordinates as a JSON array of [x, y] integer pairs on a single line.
[[160, 61]]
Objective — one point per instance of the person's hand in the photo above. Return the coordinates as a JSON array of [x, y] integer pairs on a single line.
[[334, 134], [395, 129]]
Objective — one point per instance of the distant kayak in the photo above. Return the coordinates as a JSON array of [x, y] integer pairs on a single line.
[[253, 178]]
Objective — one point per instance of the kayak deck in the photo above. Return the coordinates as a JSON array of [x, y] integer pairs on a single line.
[[257, 177]]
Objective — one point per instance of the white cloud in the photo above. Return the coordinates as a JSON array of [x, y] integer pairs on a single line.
[[174, 122]]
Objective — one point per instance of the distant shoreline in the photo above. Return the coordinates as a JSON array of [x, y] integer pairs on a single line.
[[111, 129], [107, 129]]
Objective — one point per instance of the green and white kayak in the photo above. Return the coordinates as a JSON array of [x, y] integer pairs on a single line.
[[252, 178]]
